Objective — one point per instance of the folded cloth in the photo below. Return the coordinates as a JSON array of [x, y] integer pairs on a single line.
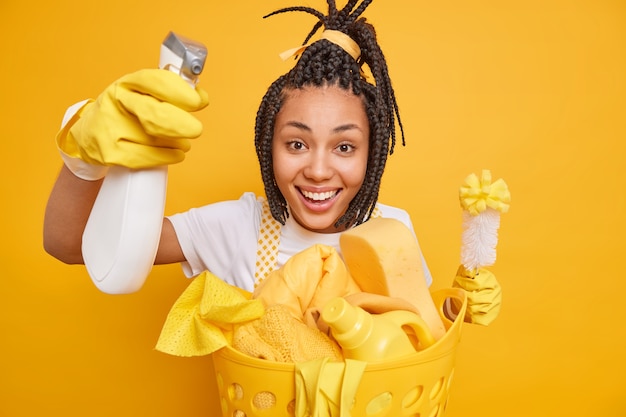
[[202, 320], [325, 388], [308, 280], [279, 336]]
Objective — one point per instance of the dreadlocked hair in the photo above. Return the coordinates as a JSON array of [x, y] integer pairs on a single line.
[[324, 63]]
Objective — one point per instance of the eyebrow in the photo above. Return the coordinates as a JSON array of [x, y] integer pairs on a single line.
[[338, 129]]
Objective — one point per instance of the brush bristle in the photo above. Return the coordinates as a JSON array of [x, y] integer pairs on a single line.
[[479, 239]]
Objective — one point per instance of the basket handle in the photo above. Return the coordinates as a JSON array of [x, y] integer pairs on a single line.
[[439, 298]]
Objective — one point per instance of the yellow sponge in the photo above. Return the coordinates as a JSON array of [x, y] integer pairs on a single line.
[[383, 257]]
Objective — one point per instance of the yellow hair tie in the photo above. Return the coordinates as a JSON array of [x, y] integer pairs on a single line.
[[340, 39], [478, 194]]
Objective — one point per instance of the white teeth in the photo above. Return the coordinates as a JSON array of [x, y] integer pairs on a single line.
[[319, 196]]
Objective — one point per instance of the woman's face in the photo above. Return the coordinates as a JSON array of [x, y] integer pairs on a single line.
[[319, 152]]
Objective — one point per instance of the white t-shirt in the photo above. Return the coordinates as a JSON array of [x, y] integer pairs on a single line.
[[223, 237]]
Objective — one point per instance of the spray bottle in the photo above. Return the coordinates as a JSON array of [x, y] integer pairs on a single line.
[[121, 237]]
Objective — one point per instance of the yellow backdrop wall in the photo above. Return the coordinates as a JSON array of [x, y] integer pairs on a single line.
[[533, 90]]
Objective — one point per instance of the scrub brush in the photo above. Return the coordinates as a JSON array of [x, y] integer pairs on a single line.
[[482, 201]]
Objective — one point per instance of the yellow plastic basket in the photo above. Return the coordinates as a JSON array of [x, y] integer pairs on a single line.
[[417, 385]]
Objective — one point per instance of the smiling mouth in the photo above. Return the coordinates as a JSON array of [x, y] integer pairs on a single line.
[[319, 197]]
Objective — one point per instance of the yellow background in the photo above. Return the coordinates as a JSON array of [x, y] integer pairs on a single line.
[[533, 90]]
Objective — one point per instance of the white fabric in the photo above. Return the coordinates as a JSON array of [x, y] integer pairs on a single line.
[[222, 238], [71, 111]]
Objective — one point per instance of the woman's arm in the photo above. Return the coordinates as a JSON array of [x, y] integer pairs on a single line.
[[104, 132], [67, 212], [68, 209]]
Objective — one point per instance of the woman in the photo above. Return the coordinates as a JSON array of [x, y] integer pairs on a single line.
[[323, 133]]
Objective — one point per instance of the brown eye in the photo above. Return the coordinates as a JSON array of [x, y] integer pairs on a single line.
[[345, 148], [295, 145]]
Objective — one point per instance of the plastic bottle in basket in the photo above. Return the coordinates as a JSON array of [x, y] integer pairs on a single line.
[[375, 337]]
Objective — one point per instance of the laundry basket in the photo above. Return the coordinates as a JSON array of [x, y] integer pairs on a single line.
[[416, 385]]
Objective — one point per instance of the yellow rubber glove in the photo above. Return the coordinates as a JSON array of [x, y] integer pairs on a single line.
[[141, 120], [484, 295]]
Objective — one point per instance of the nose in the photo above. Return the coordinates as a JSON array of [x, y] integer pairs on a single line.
[[319, 167]]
